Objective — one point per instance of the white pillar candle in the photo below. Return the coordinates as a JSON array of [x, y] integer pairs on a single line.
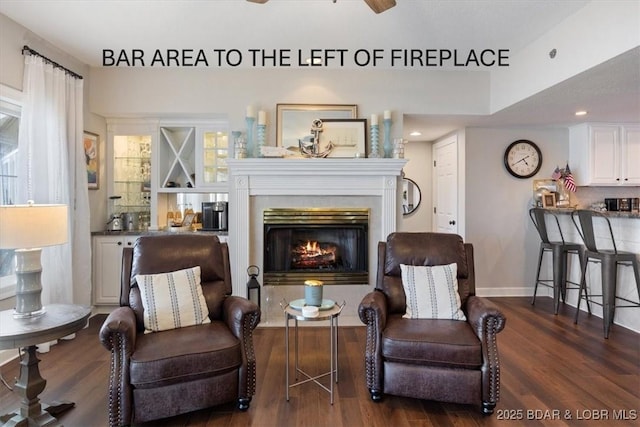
[[251, 112], [262, 117], [387, 114], [374, 119]]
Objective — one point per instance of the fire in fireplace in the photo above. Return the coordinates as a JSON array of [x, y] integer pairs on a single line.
[[325, 244], [314, 255]]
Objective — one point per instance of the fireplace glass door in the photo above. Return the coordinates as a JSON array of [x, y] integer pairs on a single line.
[[328, 245]]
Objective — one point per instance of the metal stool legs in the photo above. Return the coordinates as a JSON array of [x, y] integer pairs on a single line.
[[559, 256], [560, 250], [609, 277]]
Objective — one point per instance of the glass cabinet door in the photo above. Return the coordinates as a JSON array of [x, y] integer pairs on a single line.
[[132, 172], [215, 150]]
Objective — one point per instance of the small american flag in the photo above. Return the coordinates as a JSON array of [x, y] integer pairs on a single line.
[[557, 174], [569, 182]]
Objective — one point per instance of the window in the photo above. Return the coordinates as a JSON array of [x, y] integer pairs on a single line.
[[9, 126]]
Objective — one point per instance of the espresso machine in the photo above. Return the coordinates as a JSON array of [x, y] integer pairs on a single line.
[[215, 216]]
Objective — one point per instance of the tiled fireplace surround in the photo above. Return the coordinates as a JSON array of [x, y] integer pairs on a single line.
[[257, 184]]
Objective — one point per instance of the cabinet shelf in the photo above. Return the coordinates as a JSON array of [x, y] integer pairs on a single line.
[[177, 154]]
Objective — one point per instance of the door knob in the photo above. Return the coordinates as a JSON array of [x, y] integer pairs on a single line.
[[452, 222]]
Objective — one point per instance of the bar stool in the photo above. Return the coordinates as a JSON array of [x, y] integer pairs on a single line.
[[609, 259], [560, 251]]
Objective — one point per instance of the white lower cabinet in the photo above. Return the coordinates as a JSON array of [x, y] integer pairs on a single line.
[[107, 263]]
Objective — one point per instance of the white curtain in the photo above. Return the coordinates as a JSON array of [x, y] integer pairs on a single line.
[[51, 169]]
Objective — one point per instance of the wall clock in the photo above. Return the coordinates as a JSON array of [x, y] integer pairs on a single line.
[[523, 158]]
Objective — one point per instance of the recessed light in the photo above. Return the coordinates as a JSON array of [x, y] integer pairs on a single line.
[[415, 133], [581, 113], [316, 61]]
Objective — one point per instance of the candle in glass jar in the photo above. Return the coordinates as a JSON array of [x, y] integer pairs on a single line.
[[374, 119], [313, 292]]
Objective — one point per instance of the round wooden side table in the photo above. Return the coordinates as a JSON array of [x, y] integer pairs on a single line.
[[59, 320]]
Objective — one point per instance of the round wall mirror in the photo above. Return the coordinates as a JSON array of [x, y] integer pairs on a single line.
[[410, 196]]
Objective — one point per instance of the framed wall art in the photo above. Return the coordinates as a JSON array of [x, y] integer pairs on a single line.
[[92, 159], [347, 137], [293, 121]]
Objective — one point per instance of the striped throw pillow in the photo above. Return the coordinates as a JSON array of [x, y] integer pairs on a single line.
[[431, 292], [172, 300]]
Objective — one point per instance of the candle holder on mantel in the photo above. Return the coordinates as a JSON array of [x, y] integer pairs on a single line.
[[375, 139], [260, 140], [250, 145], [239, 145], [387, 145], [398, 148]]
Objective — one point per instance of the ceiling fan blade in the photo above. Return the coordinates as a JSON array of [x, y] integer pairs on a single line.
[[258, 1], [380, 5]]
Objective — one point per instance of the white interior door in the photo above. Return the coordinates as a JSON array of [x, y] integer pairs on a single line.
[[445, 187]]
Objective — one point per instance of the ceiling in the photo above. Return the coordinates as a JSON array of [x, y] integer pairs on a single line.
[[84, 28]]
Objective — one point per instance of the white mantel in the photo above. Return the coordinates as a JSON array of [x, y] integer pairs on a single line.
[[255, 183]]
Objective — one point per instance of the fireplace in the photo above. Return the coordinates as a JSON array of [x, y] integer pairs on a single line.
[[327, 244]]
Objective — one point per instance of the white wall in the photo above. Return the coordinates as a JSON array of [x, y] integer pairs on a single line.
[[206, 92], [497, 204]]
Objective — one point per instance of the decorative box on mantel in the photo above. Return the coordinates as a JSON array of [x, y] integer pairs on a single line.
[[259, 184]]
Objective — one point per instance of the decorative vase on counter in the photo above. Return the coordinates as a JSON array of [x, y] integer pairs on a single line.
[[563, 198]]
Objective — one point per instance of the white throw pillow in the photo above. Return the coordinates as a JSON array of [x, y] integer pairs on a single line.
[[172, 300], [432, 292]]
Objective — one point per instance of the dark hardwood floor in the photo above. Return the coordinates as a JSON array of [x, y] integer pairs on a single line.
[[554, 373]]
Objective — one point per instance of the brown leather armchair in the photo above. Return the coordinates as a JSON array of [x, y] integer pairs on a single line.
[[434, 359], [161, 374]]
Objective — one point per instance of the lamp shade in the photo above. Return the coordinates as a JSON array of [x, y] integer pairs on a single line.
[[32, 226]]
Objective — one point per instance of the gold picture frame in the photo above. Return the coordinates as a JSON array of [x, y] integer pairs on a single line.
[[549, 200]]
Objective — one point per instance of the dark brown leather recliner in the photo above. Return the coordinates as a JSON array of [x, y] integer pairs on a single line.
[[434, 359], [162, 374]]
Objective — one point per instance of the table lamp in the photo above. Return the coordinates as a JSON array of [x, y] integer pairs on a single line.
[[28, 228]]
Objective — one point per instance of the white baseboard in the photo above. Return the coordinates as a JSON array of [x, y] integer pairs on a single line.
[[7, 355], [510, 292], [544, 291]]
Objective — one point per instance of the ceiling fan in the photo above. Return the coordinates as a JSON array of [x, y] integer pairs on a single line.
[[376, 5]]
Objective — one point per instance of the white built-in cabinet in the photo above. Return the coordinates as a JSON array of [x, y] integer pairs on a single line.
[[107, 264], [193, 157], [149, 163], [605, 154]]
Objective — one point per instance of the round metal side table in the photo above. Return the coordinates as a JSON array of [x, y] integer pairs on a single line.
[[296, 314]]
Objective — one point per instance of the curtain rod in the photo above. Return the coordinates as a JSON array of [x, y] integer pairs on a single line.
[[26, 50]]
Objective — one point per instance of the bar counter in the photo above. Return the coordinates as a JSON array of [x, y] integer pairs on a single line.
[[626, 232]]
